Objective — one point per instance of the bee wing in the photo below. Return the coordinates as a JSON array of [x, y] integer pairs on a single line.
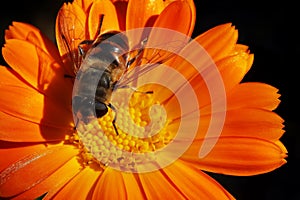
[[70, 26], [150, 58]]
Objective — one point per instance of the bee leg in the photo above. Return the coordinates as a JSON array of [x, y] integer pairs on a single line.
[[115, 118]]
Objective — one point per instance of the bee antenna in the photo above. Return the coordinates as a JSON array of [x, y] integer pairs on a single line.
[[101, 17]]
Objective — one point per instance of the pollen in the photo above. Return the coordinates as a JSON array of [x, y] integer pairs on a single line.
[[142, 129]]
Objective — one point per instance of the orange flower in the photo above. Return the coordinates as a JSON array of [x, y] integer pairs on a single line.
[[42, 154]]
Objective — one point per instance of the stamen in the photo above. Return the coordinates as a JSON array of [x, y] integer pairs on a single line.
[[143, 129]]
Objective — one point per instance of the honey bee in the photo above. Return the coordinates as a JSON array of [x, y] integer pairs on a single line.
[[99, 65]]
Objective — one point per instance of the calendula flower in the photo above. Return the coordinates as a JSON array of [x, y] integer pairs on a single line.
[[42, 153]]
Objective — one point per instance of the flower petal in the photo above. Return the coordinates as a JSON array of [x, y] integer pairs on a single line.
[[29, 33], [52, 184], [28, 104], [39, 69], [16, 151], [234, 68], [121, 10], [110, 20], [32, 169], [84, 4], [133, 189], [219, 41], [110, 178], [247, 122], [193, 183], [253, 95], [81, 186], [166, 32], [157, 186], [140, 12], [253, 123], [18, 130], [240, 156], [176, 16]]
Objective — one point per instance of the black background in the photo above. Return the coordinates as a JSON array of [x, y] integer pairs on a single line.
[[267, 28]]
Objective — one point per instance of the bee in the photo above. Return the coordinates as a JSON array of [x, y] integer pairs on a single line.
[[99, 65], [104, 64]]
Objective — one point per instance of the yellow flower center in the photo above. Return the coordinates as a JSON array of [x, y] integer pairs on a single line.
[[142, 129]]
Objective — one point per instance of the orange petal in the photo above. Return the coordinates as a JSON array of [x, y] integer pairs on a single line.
[[31, 34], [243, 50], [10, 77], [110, 20], [233, 69], [193, 183], [39, 69], [253, 123], [157, 185], [16, 151], [253, 95], [248, 122], [240, 156], [28, 104], [52, 184], [170, 33], [193, 20], [81, 186], [17, 130], [32, 169], [133, 189], [84, 4], [219, 41], [141, 11], [176, 16], [121, 10], [110, 178]]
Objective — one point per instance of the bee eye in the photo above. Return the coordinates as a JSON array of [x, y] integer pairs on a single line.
[[101, 109]]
